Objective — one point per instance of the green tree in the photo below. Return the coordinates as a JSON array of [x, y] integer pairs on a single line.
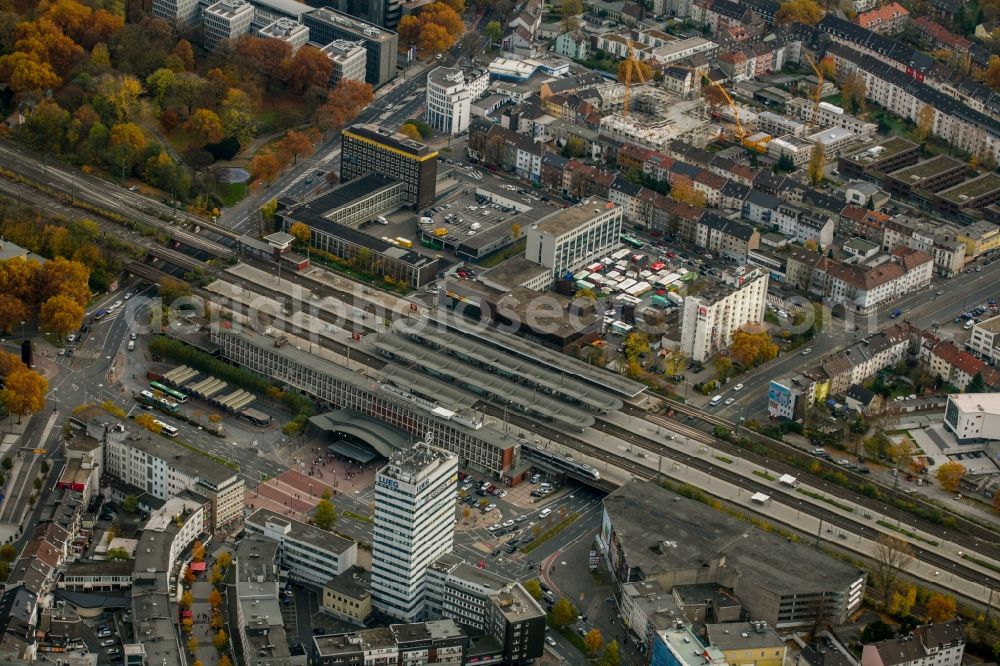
[[563, 612], [977, 385], [494, 31], [117, 554], [533, 588], [785, 163], [130, 504], [325, 515], [571, 10]]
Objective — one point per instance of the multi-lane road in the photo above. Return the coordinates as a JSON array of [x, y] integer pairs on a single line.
[[923, 308]]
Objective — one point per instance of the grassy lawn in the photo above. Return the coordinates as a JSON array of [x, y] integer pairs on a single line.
[[232, 193]]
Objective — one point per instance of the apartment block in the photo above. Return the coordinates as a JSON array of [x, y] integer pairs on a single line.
[[711, 317], [164, 469], [874, 161], [941, 644], [489, 605]]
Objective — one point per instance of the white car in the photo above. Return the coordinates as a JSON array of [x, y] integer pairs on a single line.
[[738, 387], [551, 641], [492, 528], [501, 493], [544, 513], [489, 507], [508, 523], [807, 351], [730, 401]]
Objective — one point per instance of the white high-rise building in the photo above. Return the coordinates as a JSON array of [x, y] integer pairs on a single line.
[[182, 12], [414, 525], [712, 316], [349, 60], [450, 93], [572, 237], [226, 20]]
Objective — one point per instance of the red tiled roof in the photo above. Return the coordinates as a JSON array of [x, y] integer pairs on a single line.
[[884, 13], [941, 34]]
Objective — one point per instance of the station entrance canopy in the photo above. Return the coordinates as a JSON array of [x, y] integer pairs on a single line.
[[359, 437]]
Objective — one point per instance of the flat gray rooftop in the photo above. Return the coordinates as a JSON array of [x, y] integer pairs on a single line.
[[544, 356], [529, 400], [514, 272], [361, 380], [588, 395], [561, 222], [661, 531], [302, 532]]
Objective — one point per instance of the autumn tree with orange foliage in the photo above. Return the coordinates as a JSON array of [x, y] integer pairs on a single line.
[[806, 12], [308, 68], [295, 145], [410, 130], [343, 104], [434, 30], [941, 608], [683, 190], [265, 167], [23, 392], [61, 315]]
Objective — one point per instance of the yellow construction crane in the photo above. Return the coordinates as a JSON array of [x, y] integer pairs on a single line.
[[631, 67], [741, 133], [819, 85]]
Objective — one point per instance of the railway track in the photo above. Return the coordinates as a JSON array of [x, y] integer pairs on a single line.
[[833, 520], [965, 533]]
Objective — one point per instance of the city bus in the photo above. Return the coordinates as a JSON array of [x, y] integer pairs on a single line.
[[166, 430], [634, 242], [166, 390], [163, 404]]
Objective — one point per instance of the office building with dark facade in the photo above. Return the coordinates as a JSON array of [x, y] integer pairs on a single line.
[[371, 149], [326, 25]]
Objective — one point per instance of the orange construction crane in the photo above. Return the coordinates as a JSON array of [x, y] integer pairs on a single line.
[[632, 67]]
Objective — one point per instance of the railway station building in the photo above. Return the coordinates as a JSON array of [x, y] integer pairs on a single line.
[[413, 403]]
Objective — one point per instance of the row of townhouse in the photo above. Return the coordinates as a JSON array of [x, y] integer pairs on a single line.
[[943, 242], [793, 220], [859, 287], [905, 96], [718, 16], [750, 61], [837, 373], [523, 28], [954, 365]]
